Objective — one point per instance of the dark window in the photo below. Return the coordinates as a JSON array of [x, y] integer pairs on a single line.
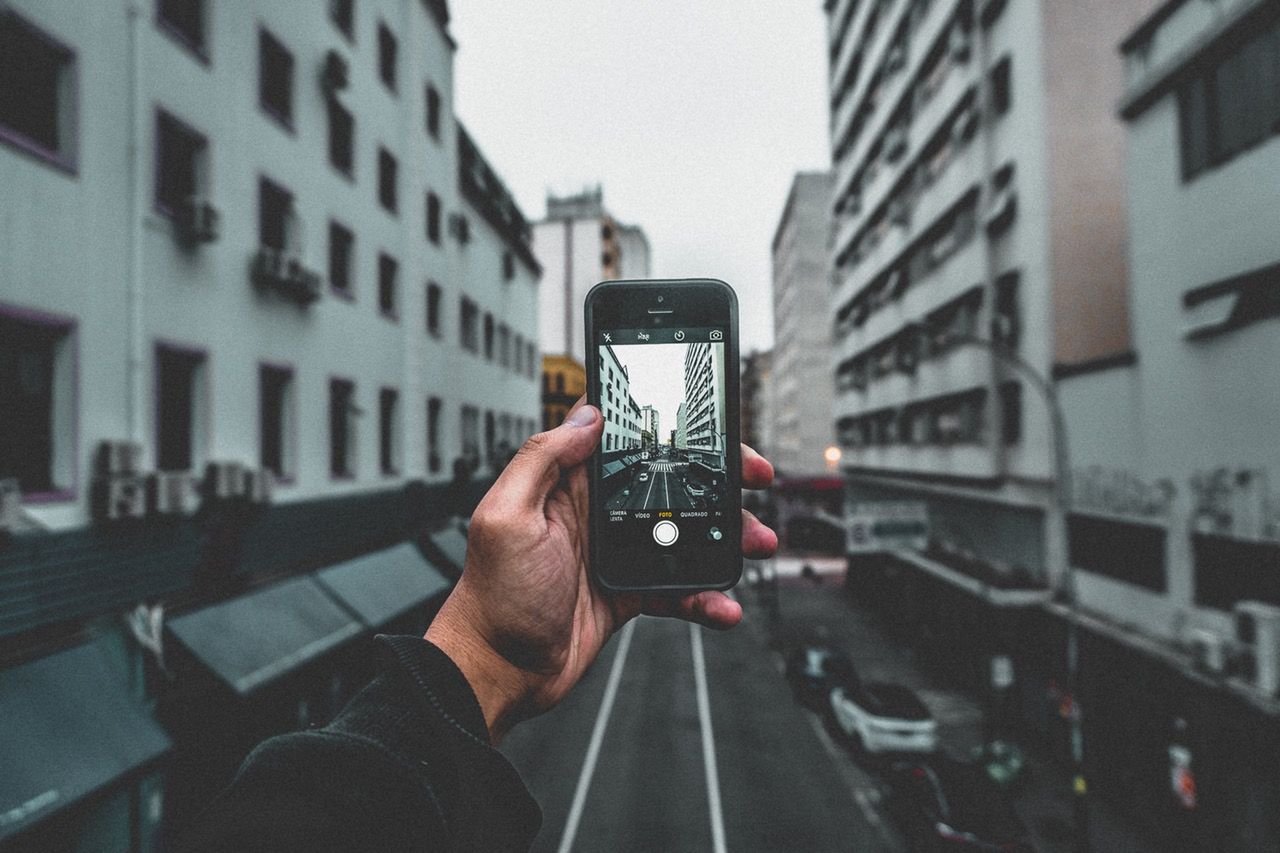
[[1001, 87], [342, 138], [1229, 570], [341, 427], [433, 434], [488, 336], [275, 78], [433, 308], [184, 19], [433, 111], [341, 257], [180, 153], [177, 377], [508, 266], [37, 91], [433, 217], [275, 210], [343, 15], [33, 359], [388, 430], [468, 322], [490, 431], [1233, 103], [1123, 550], [275, 388], [531, 356], [387, 177], [1011, 412], [387, 50], [559, 383], [388, 297]]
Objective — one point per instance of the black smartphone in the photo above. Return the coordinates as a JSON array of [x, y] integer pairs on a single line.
[[666, 499]]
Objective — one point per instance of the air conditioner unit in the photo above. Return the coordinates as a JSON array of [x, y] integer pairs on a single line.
[[199, 220], [224, 480], [10, 504], [1257, 628], [171, 493], [334, 73], [258, 484], [1003, 208], [1209, 651], [119, 498], [283, 271], [117, 458], [961, 44], [460, 227]]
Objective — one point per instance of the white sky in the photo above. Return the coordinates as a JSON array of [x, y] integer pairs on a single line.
[[656, 376], [693, 114]]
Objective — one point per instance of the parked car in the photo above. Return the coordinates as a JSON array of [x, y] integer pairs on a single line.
[[813, 669], [644, 476], [943, 804], [882, 719]]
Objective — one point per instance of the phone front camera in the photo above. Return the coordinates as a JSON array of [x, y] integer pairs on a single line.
[[661, 297]]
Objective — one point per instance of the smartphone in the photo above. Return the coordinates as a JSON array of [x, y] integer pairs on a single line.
[[665, 484]]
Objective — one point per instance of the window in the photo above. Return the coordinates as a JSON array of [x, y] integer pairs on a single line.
[[504, 345], [276, 420], [341, 259], [518, 351], [37, 92], [509, 266], [387, 50], [184, 20], [1233, 104], [468, 325], [388, 297], [387, 169], [343, 15], [531, 358], [490, 438], [179, 403], [471, 433], [433, 308], [342, 138], [37, 404], [1001, 87], [180, 162], [275, 79], [1011, 412], [342, 428], [433, 111], [433, 434], [389, 431], [275, 215], [488, 336], [433, 218], [1123, 550]]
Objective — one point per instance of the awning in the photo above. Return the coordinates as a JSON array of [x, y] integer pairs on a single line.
[[383, 585], [256, 638], [451, 544], [69, 728]]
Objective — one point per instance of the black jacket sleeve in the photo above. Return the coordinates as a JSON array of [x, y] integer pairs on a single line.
[[406, 765]]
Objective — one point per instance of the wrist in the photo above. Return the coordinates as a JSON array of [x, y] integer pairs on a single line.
[[500, 687]]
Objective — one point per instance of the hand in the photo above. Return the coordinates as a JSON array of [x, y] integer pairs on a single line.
[[525, 620]]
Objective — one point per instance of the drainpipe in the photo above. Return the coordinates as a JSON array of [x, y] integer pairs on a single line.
[[135, 416]]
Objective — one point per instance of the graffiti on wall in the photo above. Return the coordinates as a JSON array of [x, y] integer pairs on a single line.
[[1235, 502]]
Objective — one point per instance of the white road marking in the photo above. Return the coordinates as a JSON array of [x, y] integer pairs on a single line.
[[652, 479], [666, 488], [708, 740], [597, 738]]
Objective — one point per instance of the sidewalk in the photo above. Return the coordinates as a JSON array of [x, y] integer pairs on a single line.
[[1044, 802]]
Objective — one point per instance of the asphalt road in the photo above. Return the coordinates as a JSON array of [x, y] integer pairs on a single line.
[[634, 756], [664, 488]]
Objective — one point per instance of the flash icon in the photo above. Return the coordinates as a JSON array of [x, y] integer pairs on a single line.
[[608, 339]]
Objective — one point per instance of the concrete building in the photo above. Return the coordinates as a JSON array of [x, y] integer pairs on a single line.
[[800, 418], [649, 426], [704, 386], [756, 415], [1175, 529], [682, 427], [623, 428], [250, 264], [579, 244], [564, 380]]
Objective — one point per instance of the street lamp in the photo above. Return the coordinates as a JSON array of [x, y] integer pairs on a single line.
[[1059, 554]]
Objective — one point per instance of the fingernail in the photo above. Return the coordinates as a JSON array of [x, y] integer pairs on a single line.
[[585, 416]]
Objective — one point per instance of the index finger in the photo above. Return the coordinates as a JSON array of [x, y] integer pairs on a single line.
[[757, 472]]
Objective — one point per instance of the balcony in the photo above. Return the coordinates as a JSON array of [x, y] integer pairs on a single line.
[[973, 461], [281, 270]]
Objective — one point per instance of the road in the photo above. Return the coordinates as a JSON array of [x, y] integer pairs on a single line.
[[662, 487]]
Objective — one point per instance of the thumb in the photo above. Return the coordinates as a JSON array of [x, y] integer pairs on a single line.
[[538, 464]]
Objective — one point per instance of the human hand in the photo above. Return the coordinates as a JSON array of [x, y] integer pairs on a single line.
[[525, 621]]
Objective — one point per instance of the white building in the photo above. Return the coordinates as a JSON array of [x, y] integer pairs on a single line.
[[649, 424], [704, 387], [797, 418], [305, 267], [622, 415], [977, 191], [682, 427], [580, 244]]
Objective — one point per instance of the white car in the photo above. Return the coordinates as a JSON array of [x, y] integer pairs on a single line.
[[644, 475], [884, 718]]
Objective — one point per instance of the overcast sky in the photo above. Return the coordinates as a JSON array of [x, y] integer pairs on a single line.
[[693, 114], [655, 373]]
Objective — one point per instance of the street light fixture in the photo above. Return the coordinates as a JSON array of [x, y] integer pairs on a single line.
[[1060, 559]]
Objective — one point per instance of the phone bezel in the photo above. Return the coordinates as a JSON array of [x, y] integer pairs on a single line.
[[626, 304]]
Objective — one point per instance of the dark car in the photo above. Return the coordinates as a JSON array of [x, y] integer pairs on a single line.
[[814, 669], [943, 804]]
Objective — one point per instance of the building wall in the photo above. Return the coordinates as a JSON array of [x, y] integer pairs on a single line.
[[705, 428], [622, 424]]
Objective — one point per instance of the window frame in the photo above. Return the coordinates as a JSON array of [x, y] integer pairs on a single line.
[[388, 263], [433, 106], [385, 159], [284, 121], [332, 105], [435, 411], [288, 474], [348, 293], [203, 178], [200, 51], [66, 160], [348, 31], [201, 400], [351, 447], [434, 218], [387, 38], [292, 211], [390, 435], [434, 309]]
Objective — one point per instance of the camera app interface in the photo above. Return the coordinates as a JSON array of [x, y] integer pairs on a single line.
[[663, 457]]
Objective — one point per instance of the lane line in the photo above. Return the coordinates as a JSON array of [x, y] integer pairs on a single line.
[[645, 505], [708, 740], [597, 738], [666, 487]]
